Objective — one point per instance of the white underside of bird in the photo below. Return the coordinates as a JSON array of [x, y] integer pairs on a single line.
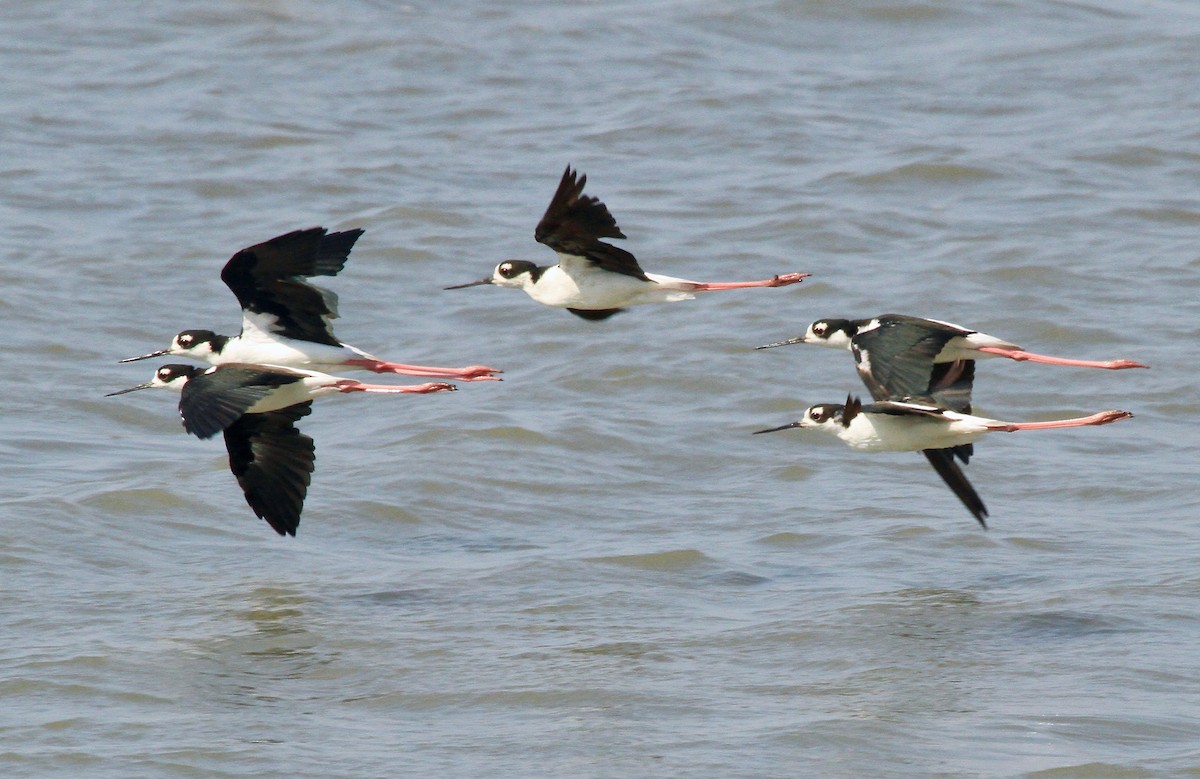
[[913, 427], [259, 345], [575, 283], [314, 384], [893, 433]]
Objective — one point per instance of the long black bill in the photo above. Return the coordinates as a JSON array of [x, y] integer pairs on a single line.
[[159, 353], [788, 342], [147, 385], [488, 280], [788, 426]]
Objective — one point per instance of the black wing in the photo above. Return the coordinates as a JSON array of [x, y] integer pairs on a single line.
[[574, 223], [595, 314], [211, 402], [913, 408], [268, 279], [896, 359], [273, 463], [950, 385], [942, 461]]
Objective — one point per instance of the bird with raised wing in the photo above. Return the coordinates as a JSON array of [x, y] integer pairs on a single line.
[[287, 320], [594, 279]]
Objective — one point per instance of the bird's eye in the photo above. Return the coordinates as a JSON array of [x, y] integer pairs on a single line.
[[164, 373], [185, 340], [506, 269], [820, 328], [815, 414]]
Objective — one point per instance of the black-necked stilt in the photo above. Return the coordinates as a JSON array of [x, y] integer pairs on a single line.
[[901, 426], [898, 363], [257, 407], [594, 279], [893, 334], [286, 320]]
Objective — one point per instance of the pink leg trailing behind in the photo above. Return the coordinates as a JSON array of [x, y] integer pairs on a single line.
[[1099, 418], [775, 281], [469, 373], [351, 385], [1022, 356]]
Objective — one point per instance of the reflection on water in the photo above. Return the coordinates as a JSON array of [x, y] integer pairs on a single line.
[[263, 644]]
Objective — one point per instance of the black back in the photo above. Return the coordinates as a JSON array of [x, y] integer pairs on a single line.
[[267, 278], [574, 224], [895, 362], [273, 463], [895, 359], [211, 402]]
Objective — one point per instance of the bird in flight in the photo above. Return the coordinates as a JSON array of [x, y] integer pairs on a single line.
[[594, 279], [257, 407], [921, 372], [286, 320]]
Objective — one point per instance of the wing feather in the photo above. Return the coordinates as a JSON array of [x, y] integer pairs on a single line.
[[942, 461], [574, 223], [273, 463], [268, 279], [211, 402]]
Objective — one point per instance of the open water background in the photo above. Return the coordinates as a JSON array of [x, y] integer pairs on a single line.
[[592, 569]]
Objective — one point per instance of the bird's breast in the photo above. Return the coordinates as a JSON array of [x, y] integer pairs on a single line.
[[899, 433]]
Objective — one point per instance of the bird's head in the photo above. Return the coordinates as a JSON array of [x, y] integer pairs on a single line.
[[823, 416], [517, 274], [198, 344], [830, 417], [171, 377], [835, 333]]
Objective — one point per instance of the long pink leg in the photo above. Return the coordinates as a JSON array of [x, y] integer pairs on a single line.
[[469, 373], [775, 281], [1021, 356], [350, 385], [1099, 418]]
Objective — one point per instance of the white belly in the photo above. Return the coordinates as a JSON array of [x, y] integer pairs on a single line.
[[894, 433], [310, 387], [592, 288], [290, 354]]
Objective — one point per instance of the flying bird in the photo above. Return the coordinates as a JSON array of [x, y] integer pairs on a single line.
[[287, 320], [594, 279], [257, 407], [910, 426], [929, 362], [893, 333]]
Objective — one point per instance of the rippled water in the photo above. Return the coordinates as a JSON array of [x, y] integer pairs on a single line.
[[592, 568]]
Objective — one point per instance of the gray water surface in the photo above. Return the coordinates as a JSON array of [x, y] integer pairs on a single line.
[[592, 568]]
